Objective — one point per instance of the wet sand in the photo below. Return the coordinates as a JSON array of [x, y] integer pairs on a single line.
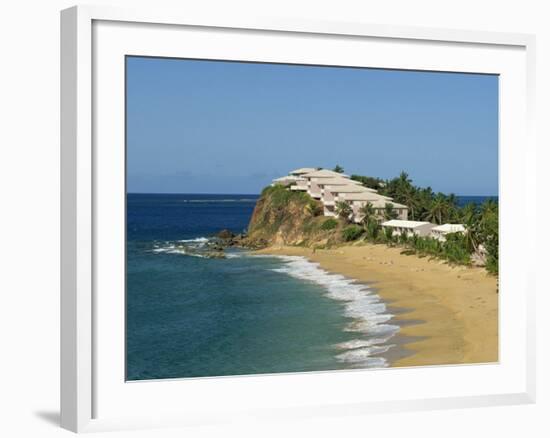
[[448, 314]]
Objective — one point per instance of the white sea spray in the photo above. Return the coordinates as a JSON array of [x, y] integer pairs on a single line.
[[361, 304]]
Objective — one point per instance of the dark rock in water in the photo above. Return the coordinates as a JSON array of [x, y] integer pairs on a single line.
[[226, 238], [225, 234]]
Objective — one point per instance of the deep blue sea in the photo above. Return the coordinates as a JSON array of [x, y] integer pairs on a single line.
[[463, 200], [190, 316]]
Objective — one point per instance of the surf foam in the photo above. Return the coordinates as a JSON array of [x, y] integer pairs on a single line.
[[187, 247], [369, 313]]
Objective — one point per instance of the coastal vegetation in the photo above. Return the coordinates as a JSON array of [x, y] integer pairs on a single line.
[[344, 210], [329, 224], [479, 242], [282, 216], [287, 217], [352, 232]]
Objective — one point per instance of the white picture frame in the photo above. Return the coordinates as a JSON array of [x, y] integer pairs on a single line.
[[94, 36]]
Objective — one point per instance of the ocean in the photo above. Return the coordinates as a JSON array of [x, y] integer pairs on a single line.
[[190, 316], [478, 200]]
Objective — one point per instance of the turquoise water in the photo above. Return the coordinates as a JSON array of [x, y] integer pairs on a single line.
[[189, 316]]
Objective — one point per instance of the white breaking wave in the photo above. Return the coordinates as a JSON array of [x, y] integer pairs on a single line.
[[369, 313], [196, 240], [359, 355], [358, 343], [187, 247], [172, 249], [234, 255]]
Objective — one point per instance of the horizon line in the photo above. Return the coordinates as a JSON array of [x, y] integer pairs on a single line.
[[255, 194]]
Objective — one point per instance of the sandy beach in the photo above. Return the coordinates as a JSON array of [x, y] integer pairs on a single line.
[[448, 314]]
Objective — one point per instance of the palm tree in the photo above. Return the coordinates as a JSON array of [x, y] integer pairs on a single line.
[[389, 212], [488, 230], [338, 169], [488, 213], [388, 234], [452, 200], [344, 210], [368, 213], [404, 179], [410, 199], [437, 209], [471, 223], [373, 229], [314, 208], [451, 213]]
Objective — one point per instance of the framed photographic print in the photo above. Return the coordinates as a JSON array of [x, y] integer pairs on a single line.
[[258, 208]]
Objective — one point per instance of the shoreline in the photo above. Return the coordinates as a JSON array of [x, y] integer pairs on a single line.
[[447, 314]]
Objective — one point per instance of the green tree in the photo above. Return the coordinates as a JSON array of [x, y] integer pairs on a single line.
[[470, 218], [369, 181], [389, 212], [338, 169], [488, 229], [344, 210], [373, 230], [438, 209], [368, 213], [388, 235]]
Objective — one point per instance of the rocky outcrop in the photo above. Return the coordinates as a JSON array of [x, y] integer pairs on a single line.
[[285, 217]]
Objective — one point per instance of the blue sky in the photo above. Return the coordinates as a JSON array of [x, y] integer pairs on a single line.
[[231, 127]]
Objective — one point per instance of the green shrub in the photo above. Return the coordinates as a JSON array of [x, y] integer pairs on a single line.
[[279, 196], [388, 235], [426, 245], [491, 264], [315, 208], [455, 248], [373, 229], [352, 232], [403, 238], [329, 224]]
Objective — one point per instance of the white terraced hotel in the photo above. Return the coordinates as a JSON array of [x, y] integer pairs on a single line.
[[331, 187], [315, 181]]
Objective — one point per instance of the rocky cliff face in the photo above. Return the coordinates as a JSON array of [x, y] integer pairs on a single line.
[[284, 217]]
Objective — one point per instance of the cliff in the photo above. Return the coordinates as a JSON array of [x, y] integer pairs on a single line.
[[285, 217]]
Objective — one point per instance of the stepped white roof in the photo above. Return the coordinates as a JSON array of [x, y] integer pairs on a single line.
[[303, 170], [397, 223], [337, 182], [324, 173], [349, 188], [363, 195], [382, 202], [375, 199], [450, 228], [289, 178]]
